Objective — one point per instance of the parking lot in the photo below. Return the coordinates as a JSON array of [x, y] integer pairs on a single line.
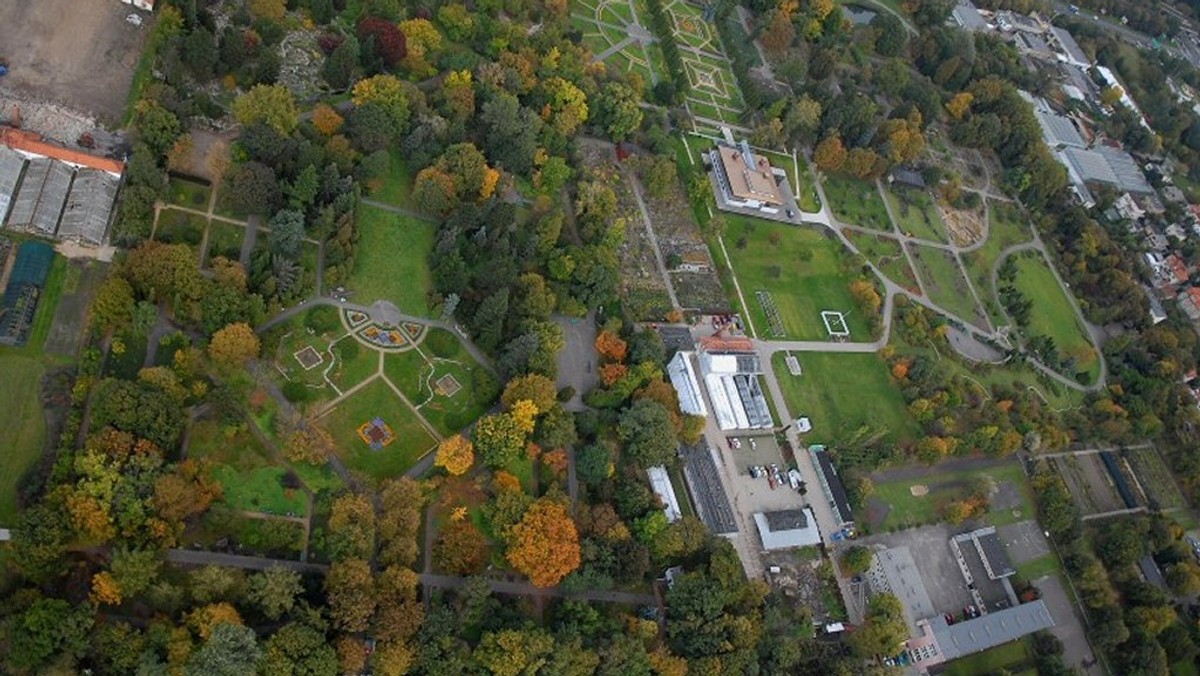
[[756, 494]]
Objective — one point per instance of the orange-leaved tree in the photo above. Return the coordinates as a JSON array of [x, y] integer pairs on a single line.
[[456, 454], [544, 545], [610, 346]]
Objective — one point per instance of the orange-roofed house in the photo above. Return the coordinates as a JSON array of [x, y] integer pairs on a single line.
[[1189, 302]]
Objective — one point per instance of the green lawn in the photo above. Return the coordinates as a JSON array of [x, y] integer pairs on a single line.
[[392, 261], [1012, 656], [414, 375], [189, 194], [1047, 564], [377, 400], [23, 424], [916, 214], [908, 510], [945, 282], [260, 490], [396, 187], [831, 393], [343, 373], [1054, 316], [887, 255], [225, 239], [805, 273], [856, 202], [1006, 227]]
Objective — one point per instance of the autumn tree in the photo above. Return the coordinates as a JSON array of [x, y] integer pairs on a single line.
[[535, 388], [779, 33], [499, 439], [272, 105], [610, 346], [456, 454], [620, 110], [884, 629], [830, 154], [648, 434], [512, 652], [308, 443], [206, 618], [544, 545], [864, 293], [105, 590], [434, 191], [461, 548], [185, 491], [399, 519], [274, 591], [959, 105], [351, 530], [350, 592], [400, 612], [233, 346], [388, 93], [387, 41], [567, 108], [271, 10]]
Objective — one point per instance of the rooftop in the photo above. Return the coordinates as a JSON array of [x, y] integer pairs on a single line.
[[1072, 49], [967, 16], [750, 176], [787, 529], [33, 144], [990, 630]]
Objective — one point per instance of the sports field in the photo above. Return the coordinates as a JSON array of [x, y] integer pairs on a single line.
[[803, 271], [393, 260]]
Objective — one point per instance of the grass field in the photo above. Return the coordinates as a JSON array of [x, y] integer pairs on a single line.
[[189, 194], [805, 274], [1054, 316], [23, 424], [945, 282], [414, 374], [856, 202], [179, 227], [841, 393], [225, 239], [396, 187], [906, 510], [248, 478], [344, 373], [392, 261], [1047, 564], [916, 214], [1006, 227], [887, 255], [377, 400], [1011, 657]]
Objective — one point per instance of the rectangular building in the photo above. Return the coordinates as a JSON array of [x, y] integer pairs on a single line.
[[746, 179]]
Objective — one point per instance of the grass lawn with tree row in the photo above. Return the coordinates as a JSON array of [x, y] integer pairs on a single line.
[[906, 510], [840, 393], [1053, 315], [1006, 227], [23, 424], [856, 202], [804, 271], [393, 260], [377, 400]]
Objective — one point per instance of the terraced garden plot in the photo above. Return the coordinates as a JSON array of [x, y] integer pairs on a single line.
[[946, 284], [887, 255], [916, 214], [856, 202], [1156, 479]]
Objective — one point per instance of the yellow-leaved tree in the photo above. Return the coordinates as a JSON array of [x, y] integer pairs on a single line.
[[456, 454], [544, 545]]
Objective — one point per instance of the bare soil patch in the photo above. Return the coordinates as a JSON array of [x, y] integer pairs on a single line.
[[81, 54]]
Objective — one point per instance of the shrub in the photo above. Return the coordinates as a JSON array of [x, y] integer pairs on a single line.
[[322, 319], [296, 392], [441, 343]]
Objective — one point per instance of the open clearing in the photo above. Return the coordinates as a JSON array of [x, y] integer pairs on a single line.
[[841, 393], [1053, 315], [805, 273], [1011, 502], [393, 260], [946, 284], [416, 373], [377, 400], [856, 202], [80, 54], [916, 214], [887, 255]]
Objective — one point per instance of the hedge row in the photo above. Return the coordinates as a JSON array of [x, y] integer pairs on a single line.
[[661, 24]]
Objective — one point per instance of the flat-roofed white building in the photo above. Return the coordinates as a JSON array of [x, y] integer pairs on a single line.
[[660, 482]]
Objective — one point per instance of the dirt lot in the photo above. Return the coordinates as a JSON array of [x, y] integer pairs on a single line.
[[78, 53]]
